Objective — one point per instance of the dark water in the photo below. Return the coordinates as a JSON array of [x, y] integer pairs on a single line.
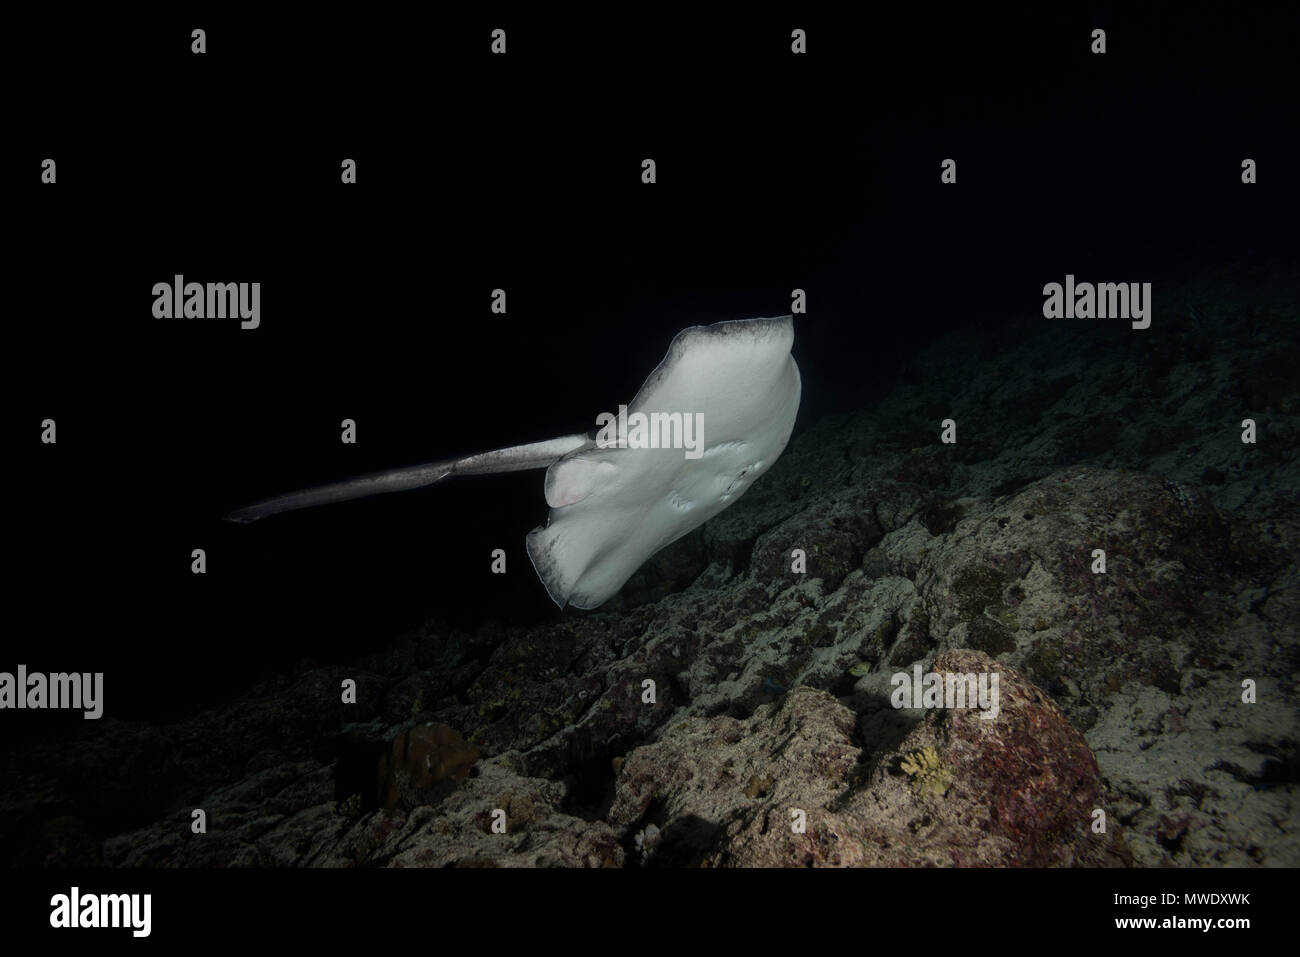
[[775, 172]]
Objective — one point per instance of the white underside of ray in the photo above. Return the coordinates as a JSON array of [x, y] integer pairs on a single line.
[[612, 508]]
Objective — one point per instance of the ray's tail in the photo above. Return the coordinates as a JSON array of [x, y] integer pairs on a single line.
[[537, 455]]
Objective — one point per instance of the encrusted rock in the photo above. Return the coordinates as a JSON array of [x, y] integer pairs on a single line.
[[961, 789]]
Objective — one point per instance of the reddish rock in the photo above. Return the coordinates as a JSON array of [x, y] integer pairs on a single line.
[[1015, 790]]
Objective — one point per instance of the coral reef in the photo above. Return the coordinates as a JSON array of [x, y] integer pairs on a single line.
[[1121, 692]]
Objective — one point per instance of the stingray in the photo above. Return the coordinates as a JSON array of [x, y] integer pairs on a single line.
[[614, 504]]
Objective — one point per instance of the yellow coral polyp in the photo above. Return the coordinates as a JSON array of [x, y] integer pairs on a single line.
[[929, 776]]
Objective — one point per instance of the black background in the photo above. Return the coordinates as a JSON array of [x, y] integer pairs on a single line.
[[775, 171]]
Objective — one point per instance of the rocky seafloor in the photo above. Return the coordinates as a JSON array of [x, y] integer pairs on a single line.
[[1121, 693]]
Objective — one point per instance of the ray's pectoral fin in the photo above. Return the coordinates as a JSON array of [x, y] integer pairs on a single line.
[[572, 480], [518, 458]]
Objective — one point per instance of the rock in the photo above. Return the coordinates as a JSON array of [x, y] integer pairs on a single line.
[[423, 763], [1018, 789]]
